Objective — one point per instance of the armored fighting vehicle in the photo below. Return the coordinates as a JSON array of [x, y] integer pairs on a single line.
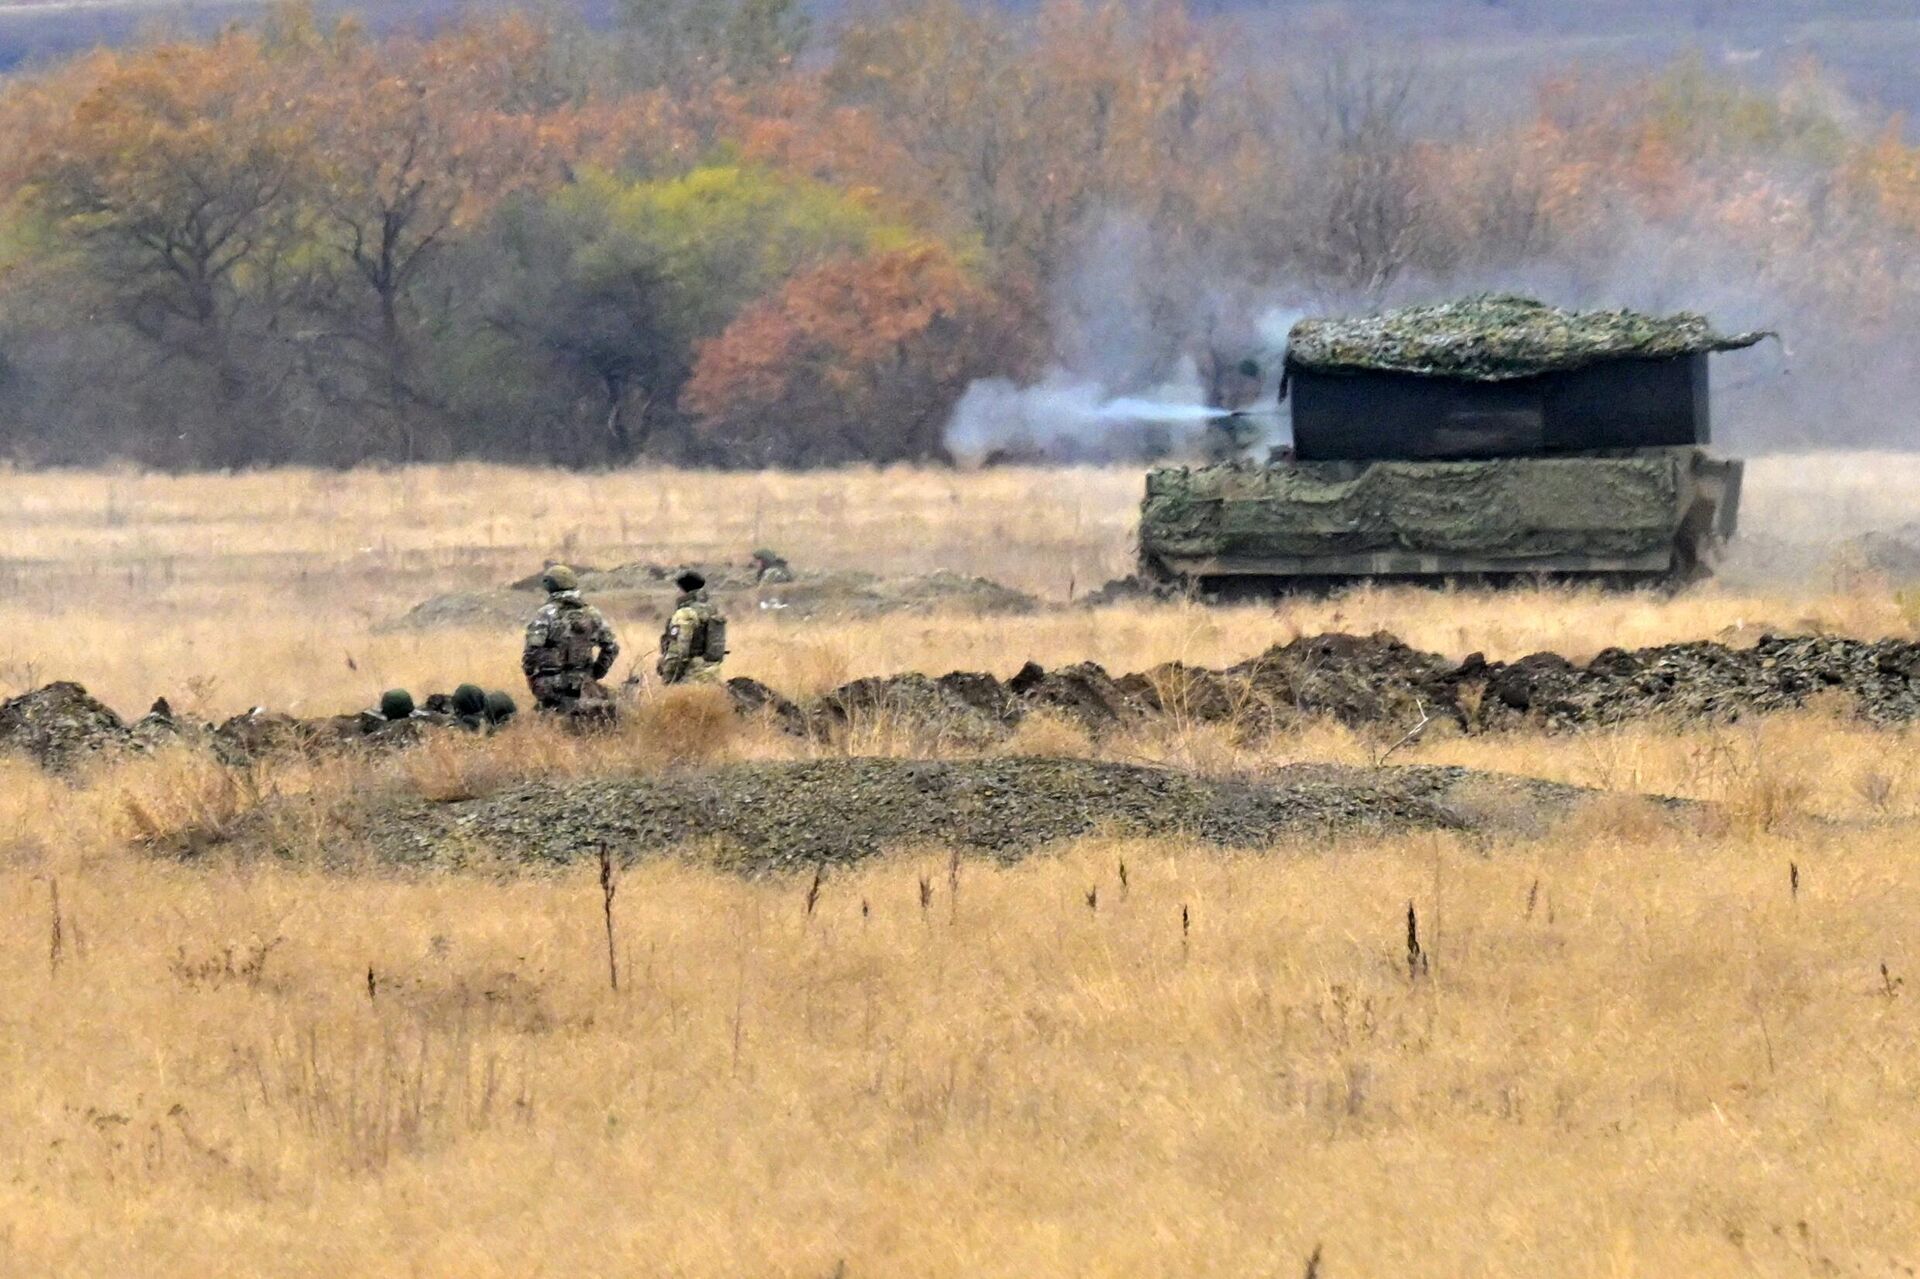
[[1487, 439]]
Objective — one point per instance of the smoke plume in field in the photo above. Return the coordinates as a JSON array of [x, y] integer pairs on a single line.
[[1843, 374], [1145, 346], [1151, 346], [1069, 418]]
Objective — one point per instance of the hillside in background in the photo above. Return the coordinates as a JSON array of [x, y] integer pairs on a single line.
[[1870, 46]]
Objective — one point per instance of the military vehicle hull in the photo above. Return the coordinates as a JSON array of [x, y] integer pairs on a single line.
[[1644, 515]]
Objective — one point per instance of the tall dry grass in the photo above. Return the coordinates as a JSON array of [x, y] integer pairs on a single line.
[[1634, 1047], [1630, 1053]]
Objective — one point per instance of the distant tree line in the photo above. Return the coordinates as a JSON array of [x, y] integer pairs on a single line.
[[706, 237]]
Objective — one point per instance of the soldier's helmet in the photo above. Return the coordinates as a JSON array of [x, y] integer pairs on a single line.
[[500, 706], [396, 703], [469, 699], [765, 556], [689, 580], [558, 577]]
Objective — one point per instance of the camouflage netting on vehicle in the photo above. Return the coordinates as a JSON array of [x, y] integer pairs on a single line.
[[1497, 337], [1508, 508]]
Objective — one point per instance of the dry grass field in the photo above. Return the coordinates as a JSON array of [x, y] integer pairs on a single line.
[[1640, 1046], [227, 592]]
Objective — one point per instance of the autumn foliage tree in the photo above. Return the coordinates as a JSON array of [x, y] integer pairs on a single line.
[[1026, 134], [714, 234], [678, 43], [171, 176], [411, 142], [614, 282], [267, 204], [859, 358]]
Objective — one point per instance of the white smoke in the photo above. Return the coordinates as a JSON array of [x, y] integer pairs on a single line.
[[1072, 416], [1067, 417], [1274, 326], [1132, 317]]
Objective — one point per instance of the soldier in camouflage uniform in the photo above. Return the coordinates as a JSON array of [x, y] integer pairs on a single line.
[[570, 648], [683, 645], [769, 568]]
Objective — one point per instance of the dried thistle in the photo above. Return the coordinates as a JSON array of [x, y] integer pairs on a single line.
[[1416, 957]]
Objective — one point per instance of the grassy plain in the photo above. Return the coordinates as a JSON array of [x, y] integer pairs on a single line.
[[225, 592], [1642, 1048]]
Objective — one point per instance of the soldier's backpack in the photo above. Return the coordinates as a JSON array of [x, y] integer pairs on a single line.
[[713, 638], [575, 635]]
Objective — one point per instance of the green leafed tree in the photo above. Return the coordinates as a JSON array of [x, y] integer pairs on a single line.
[[604, 288]]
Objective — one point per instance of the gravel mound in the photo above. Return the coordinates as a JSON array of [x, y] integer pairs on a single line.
[[772, 816]]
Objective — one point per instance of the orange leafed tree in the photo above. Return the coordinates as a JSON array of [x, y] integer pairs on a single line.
[[172, 167], [857, 358], [1023, 131], [414, 141], [1886, 176]]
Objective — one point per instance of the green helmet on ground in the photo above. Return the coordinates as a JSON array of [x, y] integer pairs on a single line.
[[469, 699], [500, 706], [558, 577], [396, 703]]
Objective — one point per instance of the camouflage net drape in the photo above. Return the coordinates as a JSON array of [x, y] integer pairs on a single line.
[[1512, 508], [1497, 337]]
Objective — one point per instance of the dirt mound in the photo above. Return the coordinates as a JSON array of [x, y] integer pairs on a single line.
[[505, 609], [1084, 691], [61, 726], [1356, 679], [645, 593], [1705, 681], [964, 707], [1376, 679], [770, 816]]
